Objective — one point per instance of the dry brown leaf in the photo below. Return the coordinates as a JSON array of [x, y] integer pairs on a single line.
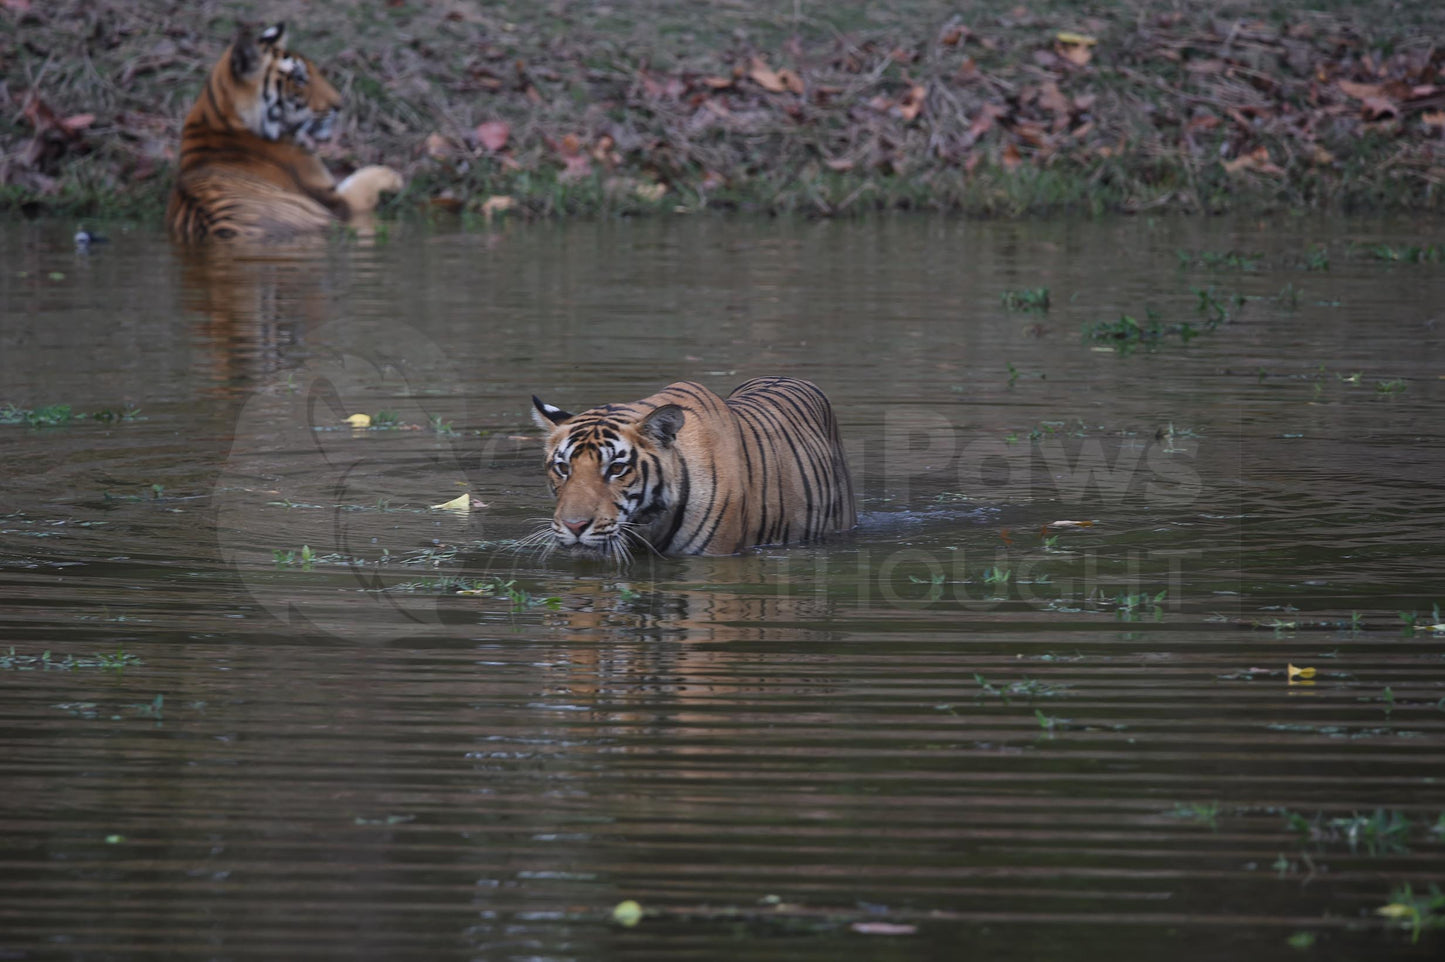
[[1011, 158], [1433, 118], [575, 167], [766, 77], [985, 120], [493, 134], [1378, 108], [1361, 91], [437, 146], [1201, 122], [1256, 160], [954, 35], [1076, 48], [911, 104]]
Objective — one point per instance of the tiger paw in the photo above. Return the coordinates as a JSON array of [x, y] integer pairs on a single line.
[[363, 189]]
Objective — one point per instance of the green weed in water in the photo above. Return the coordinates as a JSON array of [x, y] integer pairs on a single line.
[[303, 558], [36, 417], [997, 576], [1431, 253], [1219, 260], [1027, 299], [1206, 813], [1131, 606], [1393, 386], [118, 660], [1418, 913], [1381, 832], [53, 415]]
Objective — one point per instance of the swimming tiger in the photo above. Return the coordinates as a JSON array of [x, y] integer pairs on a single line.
[[247, 165], [686, 472]]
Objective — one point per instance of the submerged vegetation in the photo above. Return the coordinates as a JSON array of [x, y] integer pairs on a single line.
[[825, 109]]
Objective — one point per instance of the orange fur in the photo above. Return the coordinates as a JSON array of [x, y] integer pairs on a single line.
[[246, 166]]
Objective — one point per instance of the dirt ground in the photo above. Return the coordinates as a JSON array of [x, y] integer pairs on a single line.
[[563, 107]]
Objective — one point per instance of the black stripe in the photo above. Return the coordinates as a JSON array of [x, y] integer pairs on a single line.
[[684, 485]]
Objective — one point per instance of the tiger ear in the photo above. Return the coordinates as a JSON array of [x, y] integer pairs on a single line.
[[274, 36], [245, 55], [663, 424], [547, 416]]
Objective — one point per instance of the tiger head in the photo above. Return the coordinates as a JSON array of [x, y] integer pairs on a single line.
[[278, 95], [612, 470]]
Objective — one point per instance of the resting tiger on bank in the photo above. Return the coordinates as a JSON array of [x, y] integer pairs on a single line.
[[686, 472], [247, 169]]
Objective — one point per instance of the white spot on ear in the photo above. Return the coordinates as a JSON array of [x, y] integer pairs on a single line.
[[286, 65]]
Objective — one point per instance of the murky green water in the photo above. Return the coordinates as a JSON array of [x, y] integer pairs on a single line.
[[268, 725]]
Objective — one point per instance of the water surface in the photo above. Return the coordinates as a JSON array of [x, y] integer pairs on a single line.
[[246, 711]]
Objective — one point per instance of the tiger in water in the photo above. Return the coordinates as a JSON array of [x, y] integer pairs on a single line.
[[248, 169], [685, 472]]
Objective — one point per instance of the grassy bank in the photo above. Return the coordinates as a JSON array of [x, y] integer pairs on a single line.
[[824, 108]]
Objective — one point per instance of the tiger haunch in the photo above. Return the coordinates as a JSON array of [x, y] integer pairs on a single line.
[[686, 472], [247, 167]]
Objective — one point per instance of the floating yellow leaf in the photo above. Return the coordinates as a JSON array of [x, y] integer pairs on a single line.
[[1065, 36], [627, 913], [1300, 672], [1395, 910], [462, 502], [359, 420]]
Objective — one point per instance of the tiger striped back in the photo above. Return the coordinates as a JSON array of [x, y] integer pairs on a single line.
[[686, 472], [247, 167]]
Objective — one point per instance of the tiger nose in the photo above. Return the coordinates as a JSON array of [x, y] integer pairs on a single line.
[[576, 527]]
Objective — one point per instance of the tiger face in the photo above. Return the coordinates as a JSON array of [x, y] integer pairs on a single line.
[[610, 470], [281, 95]]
